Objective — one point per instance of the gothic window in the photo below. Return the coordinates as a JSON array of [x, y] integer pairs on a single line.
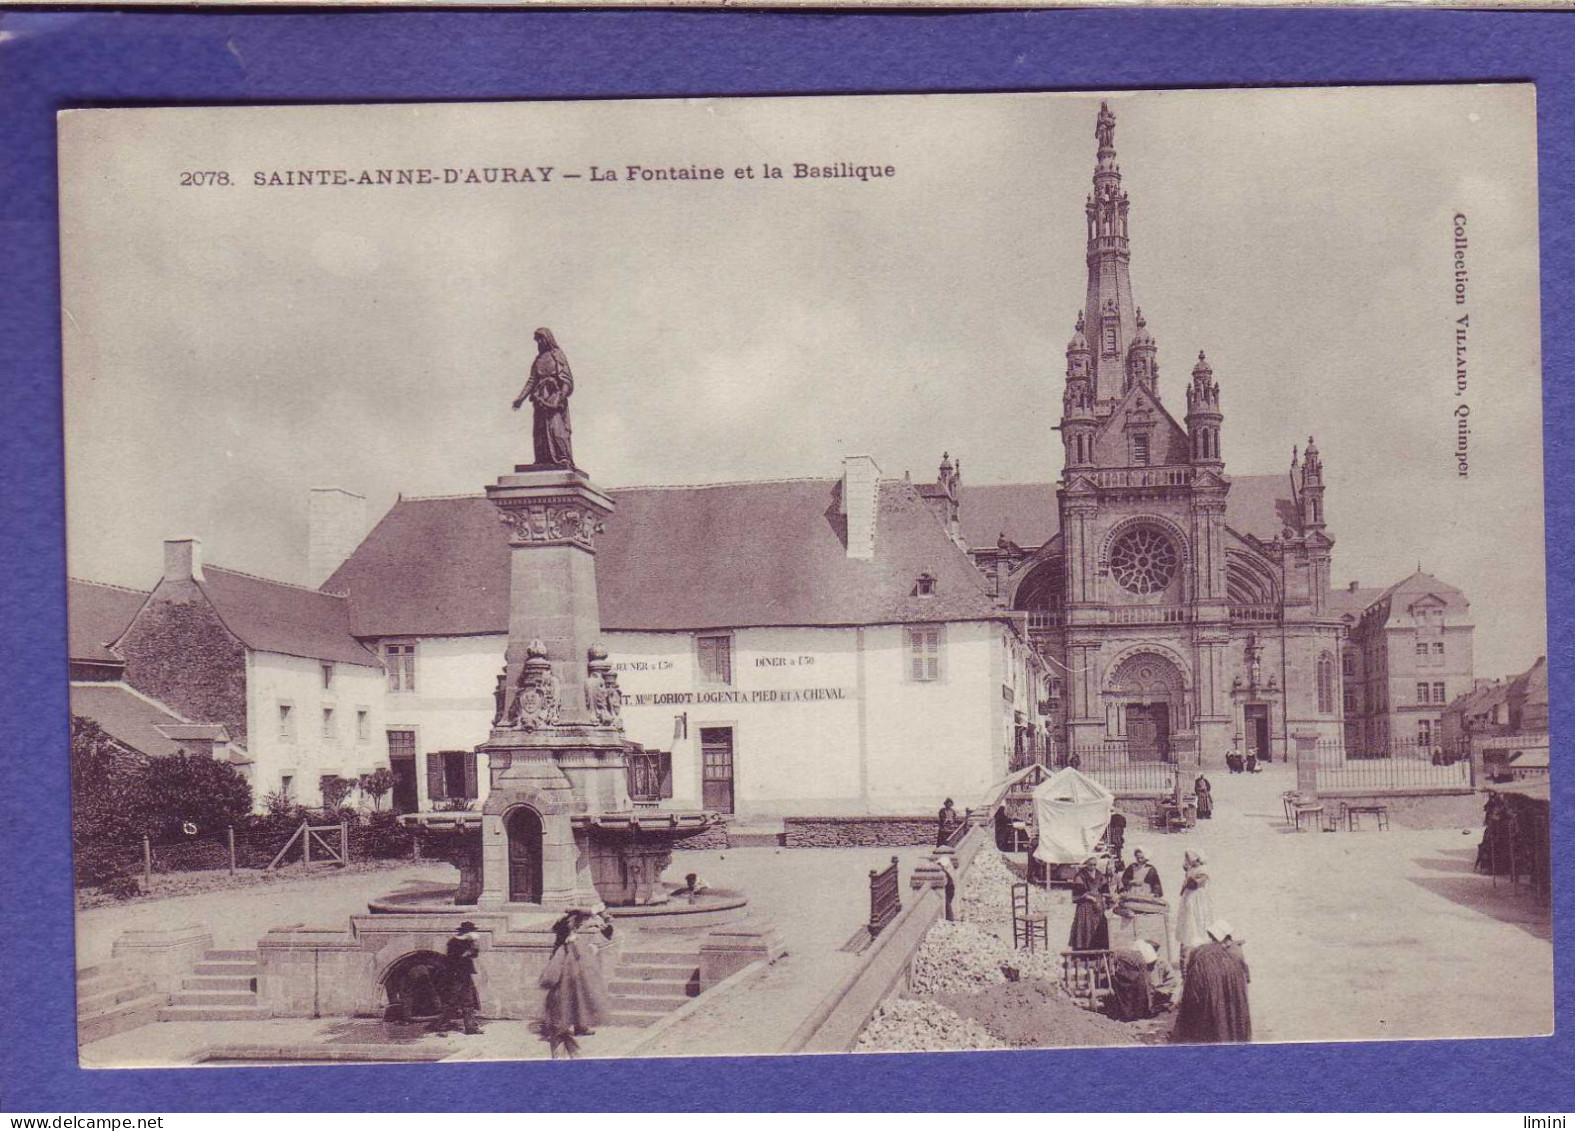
[[1325, 684], [1110, 337], [1143, 560], [1140, 450]]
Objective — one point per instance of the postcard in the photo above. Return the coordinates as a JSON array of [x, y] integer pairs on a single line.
[[805, 575]]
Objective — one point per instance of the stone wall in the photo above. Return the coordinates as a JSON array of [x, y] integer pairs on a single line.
[[179, 651], [857, 832], [713, 838], [1420, 809]]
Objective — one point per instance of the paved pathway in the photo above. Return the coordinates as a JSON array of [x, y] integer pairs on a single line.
[[1365, 935]]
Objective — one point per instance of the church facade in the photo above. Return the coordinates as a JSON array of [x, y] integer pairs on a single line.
[[1178, 620]]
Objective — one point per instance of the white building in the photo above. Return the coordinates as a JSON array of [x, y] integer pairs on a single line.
[[813, 647]]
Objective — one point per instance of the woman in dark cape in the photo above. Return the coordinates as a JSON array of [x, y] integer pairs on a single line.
[[1214, 1006], [1205, 792], [576, 992], [1090, 928]]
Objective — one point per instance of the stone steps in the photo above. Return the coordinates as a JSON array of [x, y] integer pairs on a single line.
[[223, 987], [110, 1000], [648, 984], [219, 982], [98, 1000], [213, 1013], [130, 1014], [230, 956], [213, 997]]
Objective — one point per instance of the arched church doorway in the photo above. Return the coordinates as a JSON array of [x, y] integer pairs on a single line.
[[524, 829], [1148, 694]]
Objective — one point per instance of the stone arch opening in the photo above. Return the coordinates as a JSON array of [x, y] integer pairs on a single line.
[[526, 835], [1146, 704], [413, 987], [1043, 589]]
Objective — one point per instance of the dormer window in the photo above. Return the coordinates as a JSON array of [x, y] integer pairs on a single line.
[[925, 585], [1140, 450]]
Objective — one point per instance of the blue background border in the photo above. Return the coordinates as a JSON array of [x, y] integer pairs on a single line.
[[54, 60]]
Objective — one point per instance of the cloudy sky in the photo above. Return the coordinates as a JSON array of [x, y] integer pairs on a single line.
[[230, 346]]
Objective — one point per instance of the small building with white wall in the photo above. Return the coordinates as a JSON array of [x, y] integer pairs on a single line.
[[807, 647]]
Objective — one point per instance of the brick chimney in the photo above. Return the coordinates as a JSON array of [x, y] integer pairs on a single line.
[[336, 523], [183, 559], [860, 502]]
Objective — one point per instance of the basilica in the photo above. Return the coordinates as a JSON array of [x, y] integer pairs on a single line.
[[1181, 611]]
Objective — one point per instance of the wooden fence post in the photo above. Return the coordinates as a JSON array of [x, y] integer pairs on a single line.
[[231, 838], [147, 864], [344, 844], [306, 844]]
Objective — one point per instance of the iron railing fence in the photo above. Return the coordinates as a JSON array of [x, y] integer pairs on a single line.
[[1393, 766], [1124, 769]]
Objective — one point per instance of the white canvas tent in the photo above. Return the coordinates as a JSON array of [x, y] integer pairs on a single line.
[[1071, 811]]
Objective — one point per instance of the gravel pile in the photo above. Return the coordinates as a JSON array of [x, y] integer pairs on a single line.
[[1036, 1014], [909, 1025]]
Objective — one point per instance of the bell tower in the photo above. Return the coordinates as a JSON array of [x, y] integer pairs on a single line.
[[1112, 318]]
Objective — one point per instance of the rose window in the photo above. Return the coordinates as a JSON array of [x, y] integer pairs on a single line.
[[1143, 560]]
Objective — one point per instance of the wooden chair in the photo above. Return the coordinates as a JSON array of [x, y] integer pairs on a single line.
[[1027, 928], [1086, 976]]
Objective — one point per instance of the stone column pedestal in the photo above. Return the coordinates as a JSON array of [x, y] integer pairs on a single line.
[[1306, 743]]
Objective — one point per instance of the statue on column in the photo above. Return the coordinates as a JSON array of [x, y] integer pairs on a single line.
[[1105, 127], [549, 387]]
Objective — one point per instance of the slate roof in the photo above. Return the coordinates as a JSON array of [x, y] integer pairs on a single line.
[[128, 716], [1259, 505], [97, 614], [1351, 602], [273, 616], [1392, 604], [730, 555]]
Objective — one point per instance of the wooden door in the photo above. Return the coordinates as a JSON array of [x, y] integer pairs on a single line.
[[716, 769], [1142, 732], [525, 834], [402, 764]]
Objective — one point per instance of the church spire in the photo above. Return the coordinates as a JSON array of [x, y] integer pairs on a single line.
[[1112, 316]]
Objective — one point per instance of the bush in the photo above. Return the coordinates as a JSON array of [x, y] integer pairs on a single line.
[[381, 838], [335, 790], [184, 790]]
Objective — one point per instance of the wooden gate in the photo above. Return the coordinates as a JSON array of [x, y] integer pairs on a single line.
[[329, 844]]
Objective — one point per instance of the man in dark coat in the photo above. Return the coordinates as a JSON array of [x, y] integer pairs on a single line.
[[460, 998], [1214, 996]]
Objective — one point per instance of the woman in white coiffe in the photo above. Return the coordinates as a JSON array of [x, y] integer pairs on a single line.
[[1197, 906]]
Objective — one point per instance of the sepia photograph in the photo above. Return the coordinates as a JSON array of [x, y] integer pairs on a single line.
[[842, 574]]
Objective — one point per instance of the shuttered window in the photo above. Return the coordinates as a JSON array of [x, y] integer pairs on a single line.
[[924, 653], [716, 659], [452, 776]]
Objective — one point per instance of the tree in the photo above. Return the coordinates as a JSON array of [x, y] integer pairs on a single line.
[[335, 790], [108, 804], [377, 784], [194, 789]]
